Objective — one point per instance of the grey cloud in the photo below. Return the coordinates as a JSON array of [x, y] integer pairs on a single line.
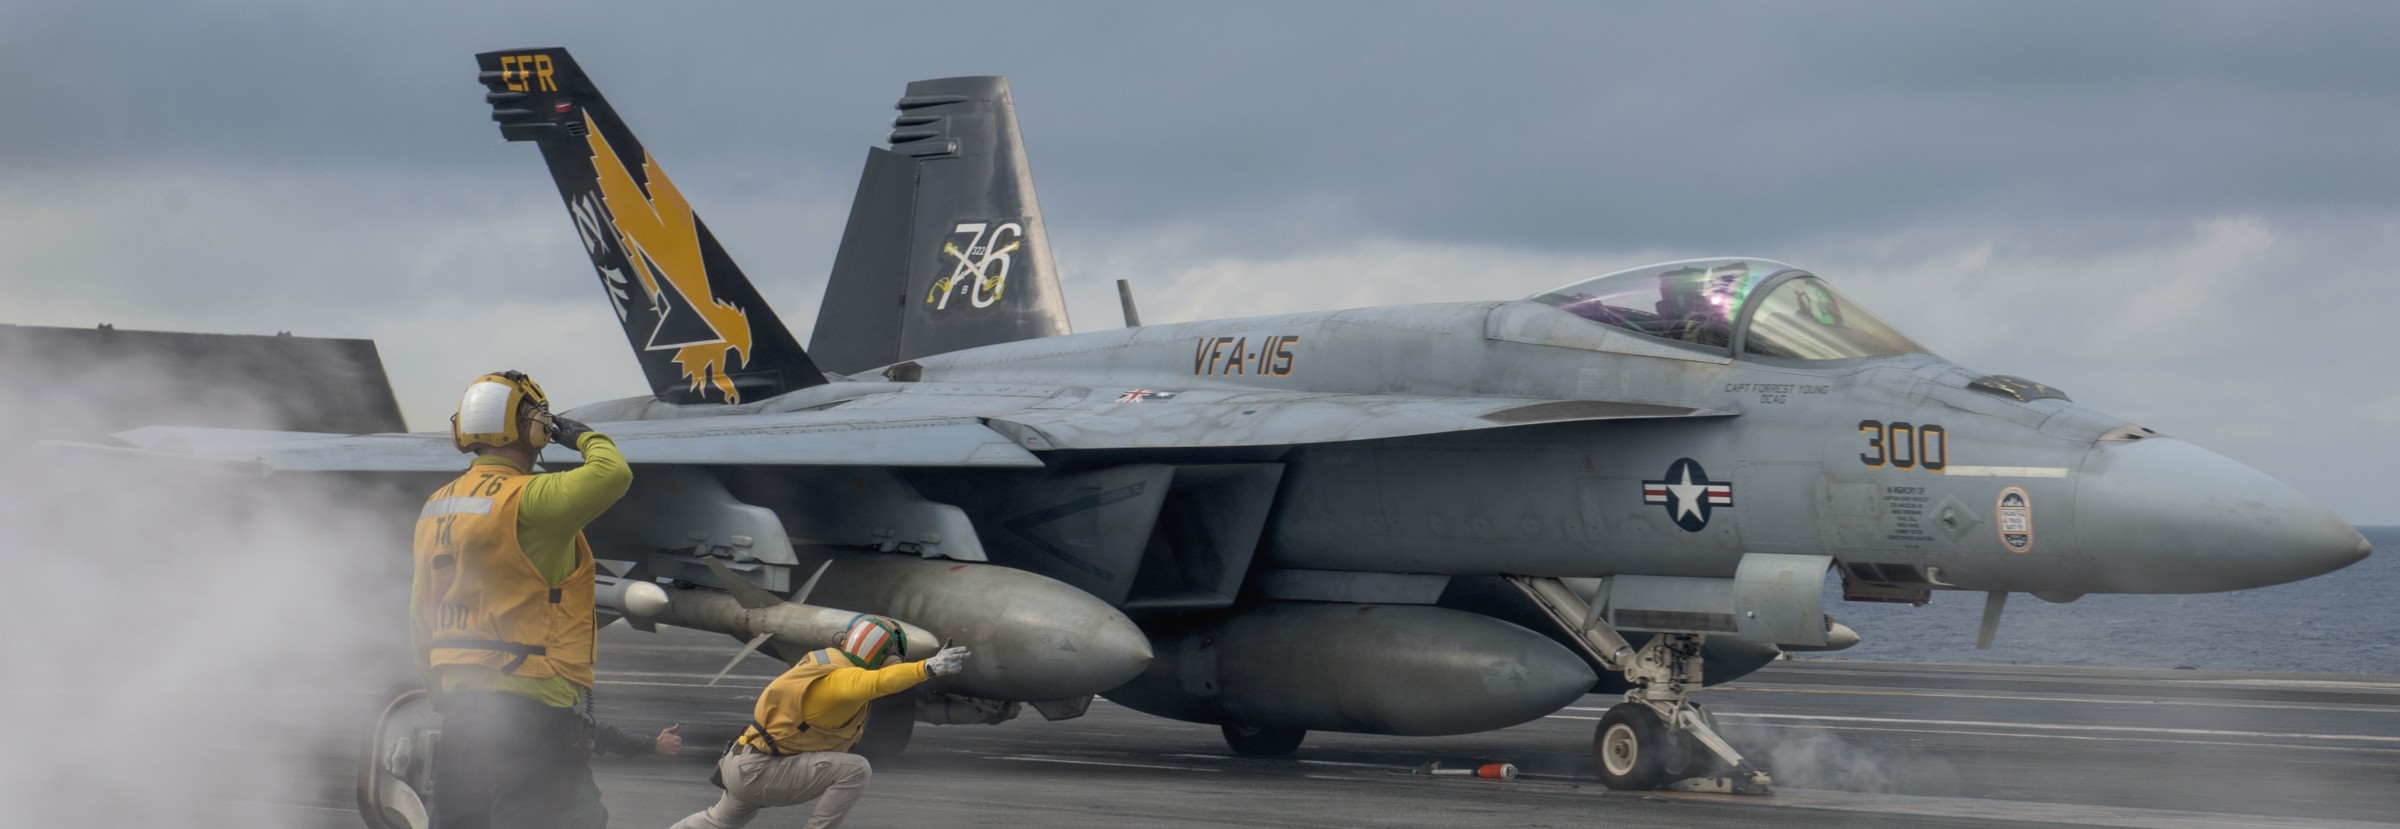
[[337, 173], [1550, 125]]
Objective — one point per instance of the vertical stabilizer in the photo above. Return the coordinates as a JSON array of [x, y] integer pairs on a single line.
[[699, 327], [945, 248]]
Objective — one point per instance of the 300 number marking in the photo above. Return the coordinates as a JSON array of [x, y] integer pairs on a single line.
[[1905, 445]]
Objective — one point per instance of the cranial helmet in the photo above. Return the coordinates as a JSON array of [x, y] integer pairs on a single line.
[[492, 412], [871, 639]]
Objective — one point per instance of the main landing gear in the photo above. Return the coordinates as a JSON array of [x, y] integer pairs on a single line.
[[1260, 741], [1658, 737], [890, 722]]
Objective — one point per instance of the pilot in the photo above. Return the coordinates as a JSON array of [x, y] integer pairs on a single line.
[[1697, 304], [500, 615], [1818, 304], [797, 746]]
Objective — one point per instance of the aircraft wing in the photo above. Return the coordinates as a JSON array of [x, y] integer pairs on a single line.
[[294, 451], [793, 439], [954, 436], [829, 438], [1212, 418]]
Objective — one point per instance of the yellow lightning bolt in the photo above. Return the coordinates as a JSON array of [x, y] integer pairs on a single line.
[[662, 241]]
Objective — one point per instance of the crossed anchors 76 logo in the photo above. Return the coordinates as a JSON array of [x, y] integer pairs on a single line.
[[976, 257]]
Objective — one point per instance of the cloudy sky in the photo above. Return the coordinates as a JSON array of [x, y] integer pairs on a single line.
[[2174, 211]]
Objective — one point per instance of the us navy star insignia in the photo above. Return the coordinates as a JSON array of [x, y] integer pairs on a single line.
[[1688, 494]]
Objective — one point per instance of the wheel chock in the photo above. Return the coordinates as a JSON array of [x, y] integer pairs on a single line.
[[1484, 771]]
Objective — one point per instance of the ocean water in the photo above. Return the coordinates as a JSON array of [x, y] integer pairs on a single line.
[[2344, 622]]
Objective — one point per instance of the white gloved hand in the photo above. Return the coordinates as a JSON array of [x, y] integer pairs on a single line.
[[950, 661]]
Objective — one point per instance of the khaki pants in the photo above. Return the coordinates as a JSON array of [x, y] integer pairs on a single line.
[[834, 779]]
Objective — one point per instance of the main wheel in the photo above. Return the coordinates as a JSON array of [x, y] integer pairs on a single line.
[[1631, 748], [1259, 741], [890, 722]]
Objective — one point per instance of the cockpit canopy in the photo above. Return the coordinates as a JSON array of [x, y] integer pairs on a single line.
[[1714, 303]]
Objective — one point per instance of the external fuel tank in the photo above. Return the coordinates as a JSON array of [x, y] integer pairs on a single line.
[[1376, 669]]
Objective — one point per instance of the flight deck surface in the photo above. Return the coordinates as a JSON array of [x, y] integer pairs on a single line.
[[1852, 744]]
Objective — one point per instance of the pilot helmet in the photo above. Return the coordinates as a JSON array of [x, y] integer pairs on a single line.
[[493, 411], [872, 640]]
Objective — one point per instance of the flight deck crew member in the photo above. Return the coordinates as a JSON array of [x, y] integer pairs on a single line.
[[797, 746], [500, 615]]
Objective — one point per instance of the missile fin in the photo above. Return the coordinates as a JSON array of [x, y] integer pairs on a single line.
[[801, 595], [752, 596], [783, 650], [756, 641]]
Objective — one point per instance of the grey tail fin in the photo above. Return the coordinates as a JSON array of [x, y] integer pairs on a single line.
[[945, 248], [700, 329]]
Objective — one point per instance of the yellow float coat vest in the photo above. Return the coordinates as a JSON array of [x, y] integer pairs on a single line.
[[780, 713], [485, 603]]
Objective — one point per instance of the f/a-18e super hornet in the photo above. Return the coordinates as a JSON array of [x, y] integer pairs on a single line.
[[1414, 520]]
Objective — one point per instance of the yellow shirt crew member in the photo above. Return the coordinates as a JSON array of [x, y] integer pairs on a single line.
[[550, 510], [796, 748], [501, 615], [830, 697]]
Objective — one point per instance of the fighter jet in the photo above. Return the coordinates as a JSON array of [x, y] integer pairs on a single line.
[[1413, 520]]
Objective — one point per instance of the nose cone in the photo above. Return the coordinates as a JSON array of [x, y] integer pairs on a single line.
[[2164, 516], [1090, 655], [1032, 638]]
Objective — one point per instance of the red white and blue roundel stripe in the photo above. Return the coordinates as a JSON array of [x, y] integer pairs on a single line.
[[1688, 494]]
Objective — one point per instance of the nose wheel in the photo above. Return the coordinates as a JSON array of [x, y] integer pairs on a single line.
[[1656, 738], [1659, 738], [1634, 748], [1629, 748]]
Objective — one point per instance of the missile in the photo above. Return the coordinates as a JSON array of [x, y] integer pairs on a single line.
[[623, 597], [1034, 638], [1372, 669], [745, 611]]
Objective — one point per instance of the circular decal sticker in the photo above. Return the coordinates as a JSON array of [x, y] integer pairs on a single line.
[[2016, 520]]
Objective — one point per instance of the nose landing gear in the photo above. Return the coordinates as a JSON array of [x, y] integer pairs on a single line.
[[1634, 748], [1656, 738], [1659, 738]]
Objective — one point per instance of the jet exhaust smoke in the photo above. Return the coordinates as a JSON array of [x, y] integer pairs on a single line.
[[185, 648], [1816, 757]]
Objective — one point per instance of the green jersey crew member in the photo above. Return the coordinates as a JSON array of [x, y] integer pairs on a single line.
[[500, 614], [797, 747]]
